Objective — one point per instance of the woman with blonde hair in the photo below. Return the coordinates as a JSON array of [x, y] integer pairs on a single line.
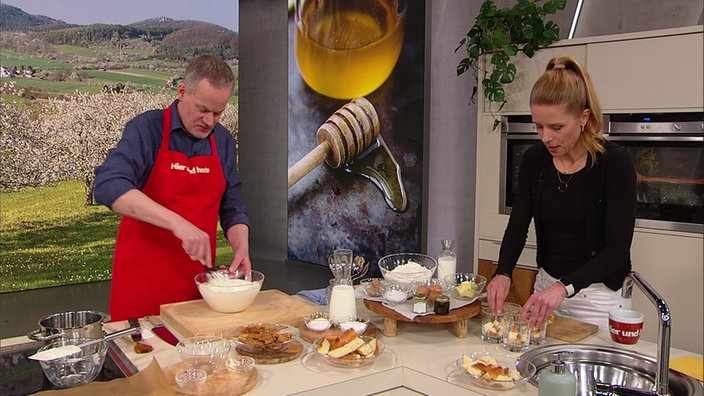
[[580, 191]]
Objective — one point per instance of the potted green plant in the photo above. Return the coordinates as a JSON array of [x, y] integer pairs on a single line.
[[503, 33]]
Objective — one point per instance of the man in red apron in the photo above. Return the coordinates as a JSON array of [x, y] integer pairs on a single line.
[[171, 176]]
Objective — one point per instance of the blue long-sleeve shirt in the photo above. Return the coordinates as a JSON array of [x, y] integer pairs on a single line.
[[130, 163]]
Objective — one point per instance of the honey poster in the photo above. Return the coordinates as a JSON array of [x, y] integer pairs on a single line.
[[355, 128]]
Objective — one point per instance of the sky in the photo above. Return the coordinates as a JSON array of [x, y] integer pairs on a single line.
[[123, 12]]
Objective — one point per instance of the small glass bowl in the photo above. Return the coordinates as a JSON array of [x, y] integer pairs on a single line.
[[240, 364], [358, 323], [204, 352], [191, 378], [318, 321], [395, 293], [465, 285], [372, 286]]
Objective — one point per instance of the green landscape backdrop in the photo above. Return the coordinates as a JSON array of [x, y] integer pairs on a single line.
[[65, 93]]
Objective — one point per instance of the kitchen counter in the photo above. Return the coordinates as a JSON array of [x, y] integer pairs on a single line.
[[420, 358]]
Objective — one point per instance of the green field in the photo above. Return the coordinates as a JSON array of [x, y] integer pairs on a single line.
[[53, 86], [13, 59], [141, 79], [49, 237]]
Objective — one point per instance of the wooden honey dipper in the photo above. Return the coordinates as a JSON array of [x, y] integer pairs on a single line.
[[343, 136]]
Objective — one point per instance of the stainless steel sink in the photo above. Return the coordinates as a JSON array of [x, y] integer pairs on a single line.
[[613, 366]]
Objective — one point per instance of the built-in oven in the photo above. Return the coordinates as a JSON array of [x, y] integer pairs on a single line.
[[668, 155], [667, 152]]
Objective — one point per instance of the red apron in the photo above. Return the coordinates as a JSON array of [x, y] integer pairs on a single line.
[[150, 267]]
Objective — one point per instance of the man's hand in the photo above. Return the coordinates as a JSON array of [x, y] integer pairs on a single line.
[[136, 204]]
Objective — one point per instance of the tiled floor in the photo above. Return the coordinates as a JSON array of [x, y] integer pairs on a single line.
[[20, 312]]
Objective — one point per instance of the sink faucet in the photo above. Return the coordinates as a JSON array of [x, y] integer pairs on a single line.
[[662, 375]]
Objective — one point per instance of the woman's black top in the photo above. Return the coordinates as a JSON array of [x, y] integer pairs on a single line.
[[583, 234]]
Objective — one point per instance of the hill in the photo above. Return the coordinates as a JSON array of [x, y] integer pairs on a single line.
[[169, 39], [13, 18]]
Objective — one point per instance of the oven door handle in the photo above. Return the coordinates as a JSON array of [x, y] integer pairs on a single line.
[[632, 138]]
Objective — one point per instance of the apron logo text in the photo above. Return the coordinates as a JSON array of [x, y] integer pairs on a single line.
[[193, 170]]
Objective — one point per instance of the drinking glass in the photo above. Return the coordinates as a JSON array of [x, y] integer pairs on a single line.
[[537, 334], [347, 48], [516, 336], [492, 325]]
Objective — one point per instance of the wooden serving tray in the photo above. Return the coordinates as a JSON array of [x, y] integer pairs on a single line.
[[458, 317], [195, 317]]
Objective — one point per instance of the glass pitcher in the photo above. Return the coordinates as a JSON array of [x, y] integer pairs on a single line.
[[342, 303]]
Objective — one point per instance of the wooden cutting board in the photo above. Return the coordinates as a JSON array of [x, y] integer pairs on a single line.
[[195, 317], [570, 330]]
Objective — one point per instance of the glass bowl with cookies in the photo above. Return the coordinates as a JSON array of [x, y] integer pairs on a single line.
[[263, 337], [349, 349]]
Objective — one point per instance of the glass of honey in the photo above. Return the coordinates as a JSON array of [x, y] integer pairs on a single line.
[[348, 48]]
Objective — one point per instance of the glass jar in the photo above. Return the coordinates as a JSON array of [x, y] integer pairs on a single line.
[[420, 303], [442, 305], [447, 260]]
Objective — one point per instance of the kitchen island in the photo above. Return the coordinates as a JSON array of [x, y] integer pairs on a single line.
[[420, 358]]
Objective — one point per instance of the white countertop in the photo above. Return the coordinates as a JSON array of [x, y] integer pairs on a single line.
[[420, 358]]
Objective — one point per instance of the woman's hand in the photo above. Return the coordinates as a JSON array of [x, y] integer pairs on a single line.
[[539, 306], [238, 237], [497, 291]]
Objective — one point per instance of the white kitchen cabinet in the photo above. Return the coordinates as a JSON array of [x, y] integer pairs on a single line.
[[650, 73], [528, 71]]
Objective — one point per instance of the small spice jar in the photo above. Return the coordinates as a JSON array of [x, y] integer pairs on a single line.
[[442, 305], [420, 303]]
